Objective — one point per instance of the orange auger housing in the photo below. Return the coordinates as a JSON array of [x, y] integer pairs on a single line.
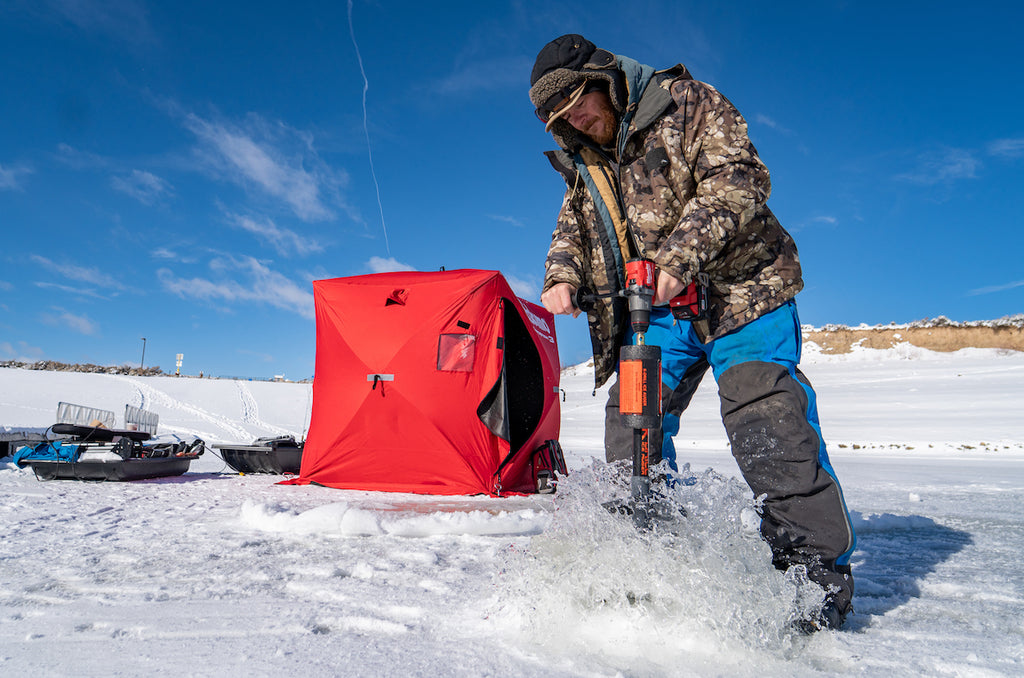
[[433, 383]]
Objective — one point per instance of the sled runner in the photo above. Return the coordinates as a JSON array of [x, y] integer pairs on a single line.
[[278, 455], [103, 467]]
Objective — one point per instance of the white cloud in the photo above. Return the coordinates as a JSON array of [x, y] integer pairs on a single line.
[[996, 288], [80, 160], [144, 186], [93, 276], [70, 289], [10, 177], [484, 75], [770, 122], [272, 157], [389, 265], [508, 220], [245, 280], [527, 289], [23, 352], [1007, 148], [942, 166], [172, 255], [70, 321], [125, 20], [281, 239]]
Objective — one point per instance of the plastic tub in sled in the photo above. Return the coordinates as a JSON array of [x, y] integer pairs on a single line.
[[278, 455]]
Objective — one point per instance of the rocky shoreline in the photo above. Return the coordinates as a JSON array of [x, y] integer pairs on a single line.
[[54, 366]]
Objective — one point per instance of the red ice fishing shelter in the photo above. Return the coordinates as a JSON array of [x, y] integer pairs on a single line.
[[432, 383]]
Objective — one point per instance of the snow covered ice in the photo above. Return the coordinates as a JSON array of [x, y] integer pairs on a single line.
[[218, 574]]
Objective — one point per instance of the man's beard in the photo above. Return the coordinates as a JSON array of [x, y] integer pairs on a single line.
[[604, 133]]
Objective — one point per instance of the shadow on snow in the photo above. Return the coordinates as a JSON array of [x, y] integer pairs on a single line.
[[894, 557]]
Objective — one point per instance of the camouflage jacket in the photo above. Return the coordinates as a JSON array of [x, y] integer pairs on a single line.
[[687, 187]]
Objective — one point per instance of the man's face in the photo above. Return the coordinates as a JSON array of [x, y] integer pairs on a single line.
[[594, 116]]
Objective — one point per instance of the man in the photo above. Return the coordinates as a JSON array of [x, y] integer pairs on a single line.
[[659, 166]]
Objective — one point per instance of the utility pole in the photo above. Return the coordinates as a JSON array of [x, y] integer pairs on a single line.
[[142, 363]]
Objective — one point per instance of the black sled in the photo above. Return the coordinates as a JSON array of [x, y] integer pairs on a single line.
[[86, 447], [280, 455]]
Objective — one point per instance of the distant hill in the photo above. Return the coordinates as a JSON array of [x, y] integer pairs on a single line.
[[939, 334]]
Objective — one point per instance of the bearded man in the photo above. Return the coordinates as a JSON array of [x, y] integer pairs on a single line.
[[659, 166]]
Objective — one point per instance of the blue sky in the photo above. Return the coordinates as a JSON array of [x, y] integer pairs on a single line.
[[182, 171]]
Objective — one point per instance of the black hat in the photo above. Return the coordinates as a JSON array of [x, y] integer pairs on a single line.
[[563, 66], [569, 52]]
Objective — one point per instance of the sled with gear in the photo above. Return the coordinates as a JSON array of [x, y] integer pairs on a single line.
[[279, 454], [432, 383], [84, 445]]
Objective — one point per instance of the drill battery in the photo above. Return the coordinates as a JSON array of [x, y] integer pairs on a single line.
[[692, 304]]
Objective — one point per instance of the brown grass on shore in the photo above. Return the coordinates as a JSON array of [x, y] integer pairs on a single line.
[[937, 338]]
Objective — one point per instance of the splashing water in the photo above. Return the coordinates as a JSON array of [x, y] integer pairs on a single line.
[[704, 589], [366, 128]]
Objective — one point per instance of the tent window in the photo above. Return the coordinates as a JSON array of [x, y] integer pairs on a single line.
[[456, 352]]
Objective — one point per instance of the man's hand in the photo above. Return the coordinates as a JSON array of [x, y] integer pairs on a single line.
[[669, 287], [558, 300]]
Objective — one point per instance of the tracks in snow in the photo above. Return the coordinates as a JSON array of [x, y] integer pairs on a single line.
[[221, 427], [251, 411]]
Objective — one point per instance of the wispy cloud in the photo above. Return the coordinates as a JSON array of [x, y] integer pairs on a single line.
[[1007, 148], [762, 119], [388, 265], [67, 320], [144, 186], [822, 221], [70, 289], [124, 20], [274, 158], [942, 166], [80, 160], [92, 276], [831, 221], [286, 242], [477, 75], [11, 177], [243, 280], [23, 352], [508, 220], [170, 255], [995, 288], [527, 289]]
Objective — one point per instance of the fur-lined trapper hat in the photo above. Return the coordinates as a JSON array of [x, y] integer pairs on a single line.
[[563, 66]]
